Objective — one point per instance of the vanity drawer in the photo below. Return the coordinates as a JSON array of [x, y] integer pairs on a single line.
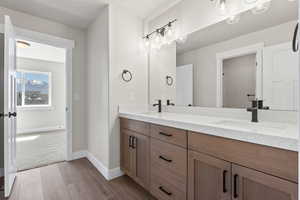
[[171, 161], [170, 135], [164, 188], [136, 126], [277, 162]]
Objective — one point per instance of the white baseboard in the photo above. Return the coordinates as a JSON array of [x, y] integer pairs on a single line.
[[109, 174], [1, 172], [115, 173], [79, 154]]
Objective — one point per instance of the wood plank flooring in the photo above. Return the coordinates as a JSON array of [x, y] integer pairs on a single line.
[[75, 180]]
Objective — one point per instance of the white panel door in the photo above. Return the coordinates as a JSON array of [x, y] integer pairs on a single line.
[[280, 77], [184, 85], [9, 106]]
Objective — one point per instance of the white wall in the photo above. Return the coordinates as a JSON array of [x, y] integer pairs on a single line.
[[204, 59], [113, 44], [30, 22], [163, 63], [126, 31], [97, 115], [29, 119]]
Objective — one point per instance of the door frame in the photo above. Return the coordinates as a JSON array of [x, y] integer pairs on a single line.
[[68, 45], [252, 49]]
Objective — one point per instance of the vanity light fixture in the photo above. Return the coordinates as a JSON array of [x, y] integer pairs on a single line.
[[23, 44], [161, 36]]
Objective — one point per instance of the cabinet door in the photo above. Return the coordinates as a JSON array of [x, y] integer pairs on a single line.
[[248, 184], [127, 153], [209, 178], [141, 157]]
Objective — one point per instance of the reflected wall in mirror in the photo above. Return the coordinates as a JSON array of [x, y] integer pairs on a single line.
[[230, 64]]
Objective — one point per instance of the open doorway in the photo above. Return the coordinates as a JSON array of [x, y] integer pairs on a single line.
[[41, 105], [239, 76], [239, 81]]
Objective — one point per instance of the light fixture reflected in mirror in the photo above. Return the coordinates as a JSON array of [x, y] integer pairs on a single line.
[[250, 1], [23, 44], [261, 8], [233, 19], [182, 39], [222, 7]]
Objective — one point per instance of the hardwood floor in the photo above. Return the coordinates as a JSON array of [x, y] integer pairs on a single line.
[[75, 180]]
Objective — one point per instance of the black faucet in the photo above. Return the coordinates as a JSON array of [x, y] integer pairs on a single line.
[[254, 110], [256, 105], [159, 105], [169, 103]]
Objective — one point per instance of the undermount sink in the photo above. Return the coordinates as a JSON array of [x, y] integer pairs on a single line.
[[252, 126]]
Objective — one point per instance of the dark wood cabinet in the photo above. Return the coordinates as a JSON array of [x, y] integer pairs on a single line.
[[248, 184], [141, 163], [208, 178], [127, 153], [175, 164], [135, 155]]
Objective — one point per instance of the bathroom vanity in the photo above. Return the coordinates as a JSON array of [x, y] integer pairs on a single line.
[[227, 67], [185, 159]]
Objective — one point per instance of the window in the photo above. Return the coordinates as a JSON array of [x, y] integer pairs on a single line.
[[33, 89]]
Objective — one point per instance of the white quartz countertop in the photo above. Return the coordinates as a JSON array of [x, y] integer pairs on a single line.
[[274, 134]]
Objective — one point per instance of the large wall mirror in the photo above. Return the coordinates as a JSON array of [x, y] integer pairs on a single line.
[[233, 62]]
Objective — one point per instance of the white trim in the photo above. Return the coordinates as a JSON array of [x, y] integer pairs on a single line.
[[79, 155], [98, 165], [39, 37], [1, 172], [62, 43], [258, 50], [115, 173], [69, 99], [108, 174], [41, 130], [35, 107]]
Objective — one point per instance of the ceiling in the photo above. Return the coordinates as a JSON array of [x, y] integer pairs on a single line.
[[80, 13], [281, 11]]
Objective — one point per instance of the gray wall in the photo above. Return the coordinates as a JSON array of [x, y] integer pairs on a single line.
[[204, 59], [239, 79], [44, 118]]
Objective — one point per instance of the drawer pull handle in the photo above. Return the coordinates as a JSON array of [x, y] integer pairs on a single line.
[[165, 159], [134, 141], [130, 141], [224, 181], [165, 191], [165, 134], [235, 183]]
